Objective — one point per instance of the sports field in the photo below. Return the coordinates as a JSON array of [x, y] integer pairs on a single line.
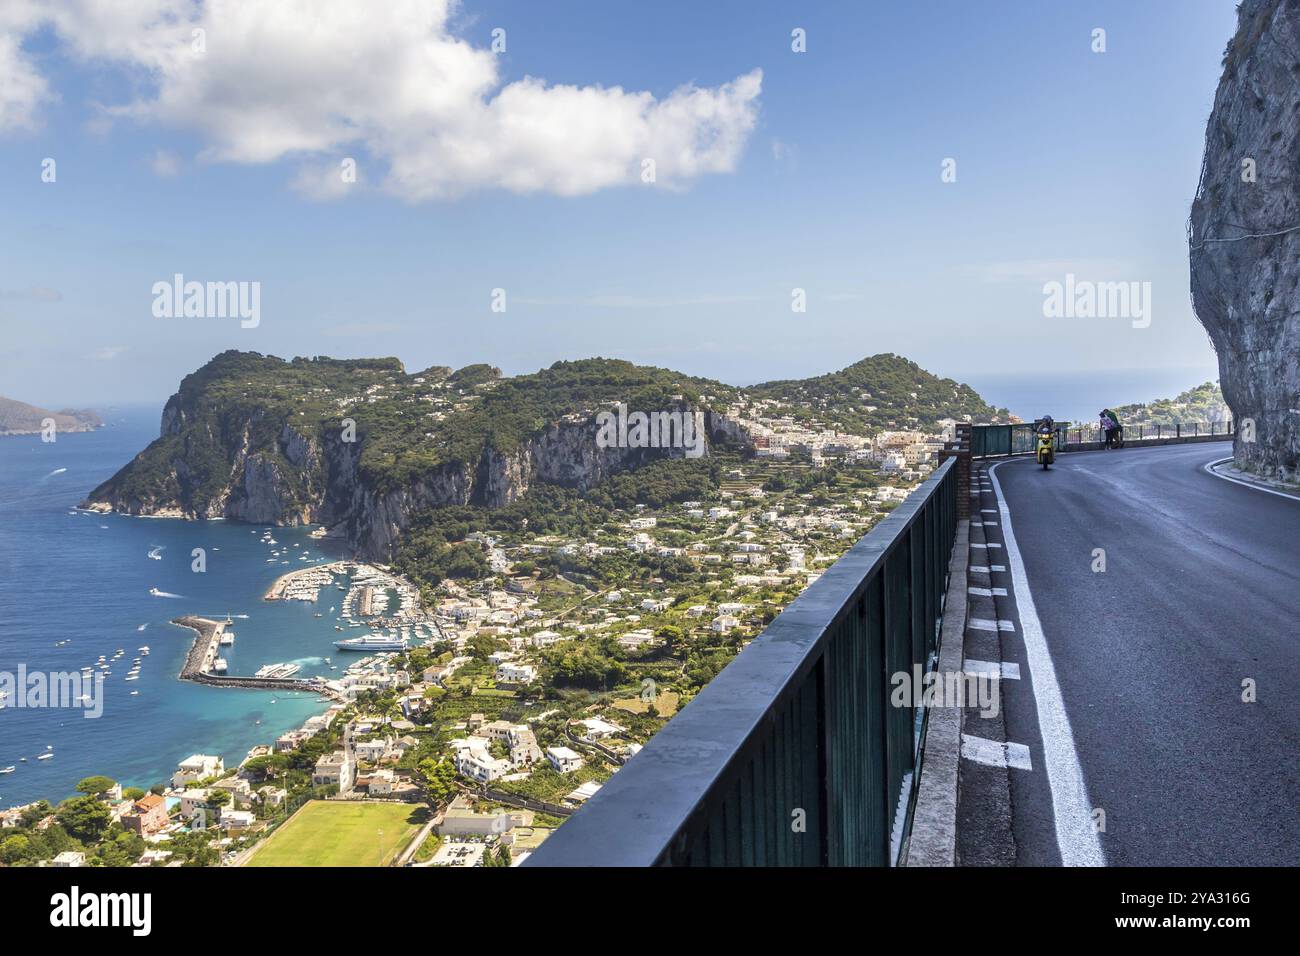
[[336, 833]]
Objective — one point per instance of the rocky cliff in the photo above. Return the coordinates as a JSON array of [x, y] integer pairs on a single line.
[[363, 447], [1245, 235], [251, 438]]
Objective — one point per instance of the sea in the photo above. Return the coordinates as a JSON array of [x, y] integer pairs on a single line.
[[1076, 396], [76, 585]]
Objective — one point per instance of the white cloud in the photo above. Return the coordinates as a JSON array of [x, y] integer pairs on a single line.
[[35, 293], [165, 164], [315, 80], [641, 301], [22, 88], [1047, 270]]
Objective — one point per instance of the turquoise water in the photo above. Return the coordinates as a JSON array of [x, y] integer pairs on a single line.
[[85, 578]]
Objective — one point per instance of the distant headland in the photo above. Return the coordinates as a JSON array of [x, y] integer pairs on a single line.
[[19, 418]]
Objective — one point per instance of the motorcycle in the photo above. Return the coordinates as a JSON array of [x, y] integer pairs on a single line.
[[1046, 452]]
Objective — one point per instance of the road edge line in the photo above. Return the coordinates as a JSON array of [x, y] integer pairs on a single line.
[[1208, 468], [1076, 837]]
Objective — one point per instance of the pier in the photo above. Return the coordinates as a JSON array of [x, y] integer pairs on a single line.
[[284, 583], [198, 662]]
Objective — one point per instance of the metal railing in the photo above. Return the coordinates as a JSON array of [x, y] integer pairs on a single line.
[[1019, 439], [1092, 432], [794, 755]]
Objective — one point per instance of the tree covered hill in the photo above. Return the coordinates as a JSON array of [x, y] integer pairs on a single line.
[[1204, 403], [879, 392], [361, 445]]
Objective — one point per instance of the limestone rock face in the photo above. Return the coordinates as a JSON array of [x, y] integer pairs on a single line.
[[220, 470], [1245, 235]]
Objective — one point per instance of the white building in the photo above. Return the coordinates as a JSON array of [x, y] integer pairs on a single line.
[[196, 768], [474, 761], [563, 759], [512, 673], [335, 769], [372, 750], [596, 729]]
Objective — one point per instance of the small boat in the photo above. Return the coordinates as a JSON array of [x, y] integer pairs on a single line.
[[9, 769], [144, 651], [155, 592], [135, 693], [219, 665], [45, 757], [132, 677]]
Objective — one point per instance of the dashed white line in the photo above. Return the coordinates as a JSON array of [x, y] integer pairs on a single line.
[[986, 624], [996, 753], [1076, 837], [987, 592], [1006, 669]]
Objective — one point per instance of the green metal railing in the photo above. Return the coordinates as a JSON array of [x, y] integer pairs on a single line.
[[1009, 439], [794, 754], [1019, 439]]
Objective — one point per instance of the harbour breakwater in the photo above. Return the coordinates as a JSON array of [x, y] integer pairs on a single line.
[[203, 652]]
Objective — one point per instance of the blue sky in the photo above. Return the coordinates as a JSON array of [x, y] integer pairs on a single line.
[[1067, 161]]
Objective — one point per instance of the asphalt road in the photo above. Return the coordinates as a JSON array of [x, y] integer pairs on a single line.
[[1201, 592]]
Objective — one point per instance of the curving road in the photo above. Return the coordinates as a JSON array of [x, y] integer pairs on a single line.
[[1201, 592]]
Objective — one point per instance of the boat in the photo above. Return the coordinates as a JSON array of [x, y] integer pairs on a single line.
[[135, 693], [10, 769], [371, 642], [144, 651], [155, 592], [277, 670], [45, 757], [132, 677], [227, 638], [219, 665]]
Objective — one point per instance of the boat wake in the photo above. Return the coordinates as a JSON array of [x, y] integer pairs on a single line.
[[56, 471], [164, 594], [156, 552]]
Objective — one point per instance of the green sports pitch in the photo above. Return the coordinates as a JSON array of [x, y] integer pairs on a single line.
[[338, 833]]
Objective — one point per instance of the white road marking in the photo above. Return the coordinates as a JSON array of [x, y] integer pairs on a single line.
[[995, 753], [1209, 469], [1076, 837], [985, 568], [988, 511], [988, 592], [985, 624], [1009, 670]]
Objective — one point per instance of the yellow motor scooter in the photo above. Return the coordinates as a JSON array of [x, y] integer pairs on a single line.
[[1046, 453]]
